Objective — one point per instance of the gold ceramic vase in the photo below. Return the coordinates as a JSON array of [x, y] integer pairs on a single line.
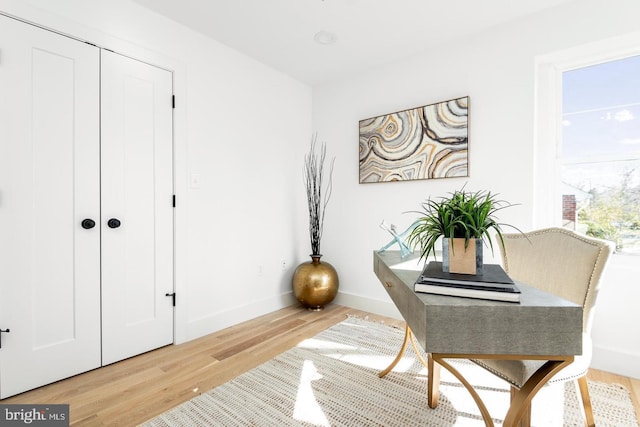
[[315, 283]]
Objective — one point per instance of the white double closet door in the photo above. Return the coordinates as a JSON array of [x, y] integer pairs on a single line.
[[86, 213]]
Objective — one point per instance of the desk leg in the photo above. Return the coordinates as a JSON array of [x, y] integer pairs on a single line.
[[403, 348], [416, 351], [439, 360], [522, 398], [433, 382], [408, 336]]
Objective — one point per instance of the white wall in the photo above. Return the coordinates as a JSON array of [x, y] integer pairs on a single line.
[[240, 127], [496, 69]]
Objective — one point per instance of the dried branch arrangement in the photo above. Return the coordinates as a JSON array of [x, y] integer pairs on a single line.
[[317, 196]]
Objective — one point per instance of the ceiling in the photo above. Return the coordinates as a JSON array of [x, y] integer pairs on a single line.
[[369, 33]]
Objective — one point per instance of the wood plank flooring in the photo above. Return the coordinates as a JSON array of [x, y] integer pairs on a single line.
[[134, 390]]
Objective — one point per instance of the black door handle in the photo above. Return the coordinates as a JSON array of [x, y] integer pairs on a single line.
[[88, 223], [113, 223]]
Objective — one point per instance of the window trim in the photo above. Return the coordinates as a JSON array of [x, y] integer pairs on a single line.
[[547, 199]]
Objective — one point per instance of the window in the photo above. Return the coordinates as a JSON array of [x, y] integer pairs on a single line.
[[587, 146], [600, 152]]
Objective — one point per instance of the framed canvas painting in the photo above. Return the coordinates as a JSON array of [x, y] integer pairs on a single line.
[[427, 142]]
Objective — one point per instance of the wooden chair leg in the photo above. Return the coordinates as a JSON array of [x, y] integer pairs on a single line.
[[586, 400], [433, 382], [525, 421]]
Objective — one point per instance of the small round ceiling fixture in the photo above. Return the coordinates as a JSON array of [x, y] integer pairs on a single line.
[[325, 37]]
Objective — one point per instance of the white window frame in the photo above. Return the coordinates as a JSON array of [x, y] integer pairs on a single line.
[[548, 117]]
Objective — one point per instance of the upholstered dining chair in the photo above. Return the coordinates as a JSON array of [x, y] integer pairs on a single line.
[[568, 265]]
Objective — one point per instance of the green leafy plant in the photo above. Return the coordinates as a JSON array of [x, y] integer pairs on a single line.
[[460, 215]]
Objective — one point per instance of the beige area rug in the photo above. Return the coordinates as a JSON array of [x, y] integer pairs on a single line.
[[331, 380]]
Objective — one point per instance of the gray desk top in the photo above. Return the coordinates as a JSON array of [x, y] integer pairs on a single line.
[[541, 324]]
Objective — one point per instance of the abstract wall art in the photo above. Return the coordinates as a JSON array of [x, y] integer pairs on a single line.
[[421, 143]]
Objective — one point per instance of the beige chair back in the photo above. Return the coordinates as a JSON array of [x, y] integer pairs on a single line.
[[558, 261]]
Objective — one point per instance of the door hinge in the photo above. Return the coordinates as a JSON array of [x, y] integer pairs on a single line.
[[174, 201], [173, 297], [5, 331], [173, 101]]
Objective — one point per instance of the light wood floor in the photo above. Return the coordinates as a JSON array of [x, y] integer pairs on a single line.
[[132, 391]]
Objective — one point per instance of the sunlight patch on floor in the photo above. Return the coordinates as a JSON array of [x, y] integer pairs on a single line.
[[306, 408], [354, 355]]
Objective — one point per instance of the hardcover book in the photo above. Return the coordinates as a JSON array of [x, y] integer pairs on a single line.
[[493, 274], [508, 294], [493, 284]]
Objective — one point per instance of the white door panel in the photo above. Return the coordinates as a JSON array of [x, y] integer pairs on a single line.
[[49, 183], [137, 189]]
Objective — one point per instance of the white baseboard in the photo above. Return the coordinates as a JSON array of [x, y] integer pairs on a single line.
[[375, 306], [206, 325], [615, 361]]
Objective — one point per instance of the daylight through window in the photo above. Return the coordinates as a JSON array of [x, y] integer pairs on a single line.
[[600, 152]]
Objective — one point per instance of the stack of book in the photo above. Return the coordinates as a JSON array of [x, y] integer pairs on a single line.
[[493, 284]]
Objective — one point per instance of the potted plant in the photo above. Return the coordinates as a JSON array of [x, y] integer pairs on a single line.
[[315, 283], [463, 220]]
